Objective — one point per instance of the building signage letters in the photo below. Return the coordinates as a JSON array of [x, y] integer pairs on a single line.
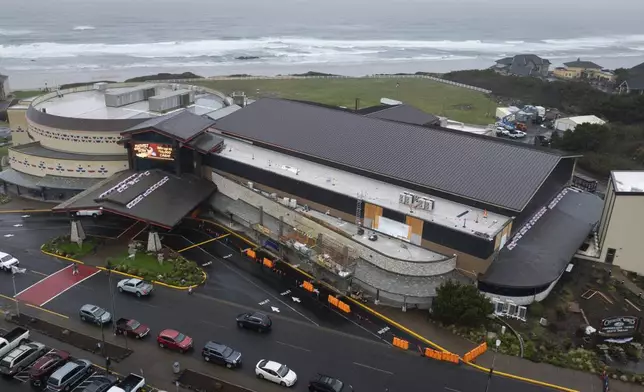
[[153, 151], [619, 326], [145, 194]]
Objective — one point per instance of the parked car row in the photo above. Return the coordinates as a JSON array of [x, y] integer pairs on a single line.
[[213, 351], [56, 371]]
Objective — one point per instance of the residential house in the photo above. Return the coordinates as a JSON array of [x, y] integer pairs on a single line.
[[634, 84], [4, 87], [584, 70], [523, 65]]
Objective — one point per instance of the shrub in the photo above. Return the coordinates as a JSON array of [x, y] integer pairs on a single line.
[[536, 310], [460, 304]]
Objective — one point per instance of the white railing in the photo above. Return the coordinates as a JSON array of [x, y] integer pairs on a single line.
[[293, 77]]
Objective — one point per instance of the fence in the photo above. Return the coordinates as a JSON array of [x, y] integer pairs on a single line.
[[288, 77]]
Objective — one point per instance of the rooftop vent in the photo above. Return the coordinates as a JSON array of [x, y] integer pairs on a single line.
[[126, 96], [239, 98], [100, 86], [171, 100]]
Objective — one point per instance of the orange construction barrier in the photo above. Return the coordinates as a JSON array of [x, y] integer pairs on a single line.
[[344, 307], [251, 253], [429, 353], [401, 343], [307, 286], [268, 262], [333, 300], [449, 357], [475, 352]]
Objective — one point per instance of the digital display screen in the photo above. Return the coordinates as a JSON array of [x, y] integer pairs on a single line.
[[154, 151]]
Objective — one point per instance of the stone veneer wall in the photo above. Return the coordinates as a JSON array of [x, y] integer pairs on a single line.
[[236, 191]]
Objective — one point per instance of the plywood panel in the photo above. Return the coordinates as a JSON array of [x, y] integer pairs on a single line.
[[415, 224], [369, 212]]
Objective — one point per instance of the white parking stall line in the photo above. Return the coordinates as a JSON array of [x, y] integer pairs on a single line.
[[253, 283], [373, 368], [293, 346]]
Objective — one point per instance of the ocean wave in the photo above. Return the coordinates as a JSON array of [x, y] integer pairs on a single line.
[[286, 46], [83, 28], [222, 63], [10, 33]]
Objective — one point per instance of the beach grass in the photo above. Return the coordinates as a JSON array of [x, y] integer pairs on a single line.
[[441, 99], [20, 94]]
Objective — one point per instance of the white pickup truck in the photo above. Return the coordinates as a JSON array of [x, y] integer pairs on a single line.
[[13, 339], [7, 261], [131, 383]]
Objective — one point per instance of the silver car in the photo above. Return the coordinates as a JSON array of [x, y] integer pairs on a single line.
[[21, 357], [69, 375], [95, 314], [134, 286]]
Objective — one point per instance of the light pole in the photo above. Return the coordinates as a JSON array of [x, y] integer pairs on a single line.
[[15, 270], [496, 348]]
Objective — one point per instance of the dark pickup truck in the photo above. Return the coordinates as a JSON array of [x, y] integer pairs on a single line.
[[131, 327]]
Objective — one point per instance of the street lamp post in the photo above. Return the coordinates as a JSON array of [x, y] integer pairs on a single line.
[[15, 270], [496, 349]]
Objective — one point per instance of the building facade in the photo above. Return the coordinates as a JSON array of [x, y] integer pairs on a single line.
[[66, 141], [619, 233]]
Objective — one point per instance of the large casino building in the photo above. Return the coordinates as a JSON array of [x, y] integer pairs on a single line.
[[381, 199]]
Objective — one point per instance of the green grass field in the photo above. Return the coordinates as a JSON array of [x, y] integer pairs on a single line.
[[433, 97], [20, 94]]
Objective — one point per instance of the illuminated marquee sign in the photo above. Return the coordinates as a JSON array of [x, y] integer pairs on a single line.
[[154, 151]]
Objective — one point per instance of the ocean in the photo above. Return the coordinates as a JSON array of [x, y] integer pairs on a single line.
[[55, 42]]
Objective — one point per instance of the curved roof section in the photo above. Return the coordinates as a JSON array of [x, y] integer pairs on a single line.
[[541, 252], [37, 150], [485, 169], [81, 124]]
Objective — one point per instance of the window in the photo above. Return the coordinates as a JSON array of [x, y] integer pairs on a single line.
[[610, 255]]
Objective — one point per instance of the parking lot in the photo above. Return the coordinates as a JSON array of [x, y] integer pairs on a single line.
[[21, 380]]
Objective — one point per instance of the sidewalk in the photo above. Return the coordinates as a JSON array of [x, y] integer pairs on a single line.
[[19, 203], [418, 322], [147, 359]]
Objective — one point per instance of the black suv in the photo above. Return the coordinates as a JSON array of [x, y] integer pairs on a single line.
[[221, 354], [257, 321], [322, 383]]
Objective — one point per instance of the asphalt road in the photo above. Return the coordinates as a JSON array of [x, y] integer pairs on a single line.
[[301, 338]]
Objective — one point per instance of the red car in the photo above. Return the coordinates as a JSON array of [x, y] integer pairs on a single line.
[[175, 340], [46, 365]]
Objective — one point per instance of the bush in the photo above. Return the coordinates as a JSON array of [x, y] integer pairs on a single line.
[[460, 304], [536, 310]]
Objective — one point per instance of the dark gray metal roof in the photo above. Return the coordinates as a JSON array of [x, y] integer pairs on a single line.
[[36, 149], [582, 64], [15, 177], [542, 253], [635, 82], [206, 142], [486, 169], [182, 125], [182, 193], [404, 113]]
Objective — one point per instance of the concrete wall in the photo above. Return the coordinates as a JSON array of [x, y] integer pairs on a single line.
[[39, 166], [624, 233], [18, 124], [236, 191], [81, 142]]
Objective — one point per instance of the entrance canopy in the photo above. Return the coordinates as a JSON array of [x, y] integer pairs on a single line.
[[154, 196]]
